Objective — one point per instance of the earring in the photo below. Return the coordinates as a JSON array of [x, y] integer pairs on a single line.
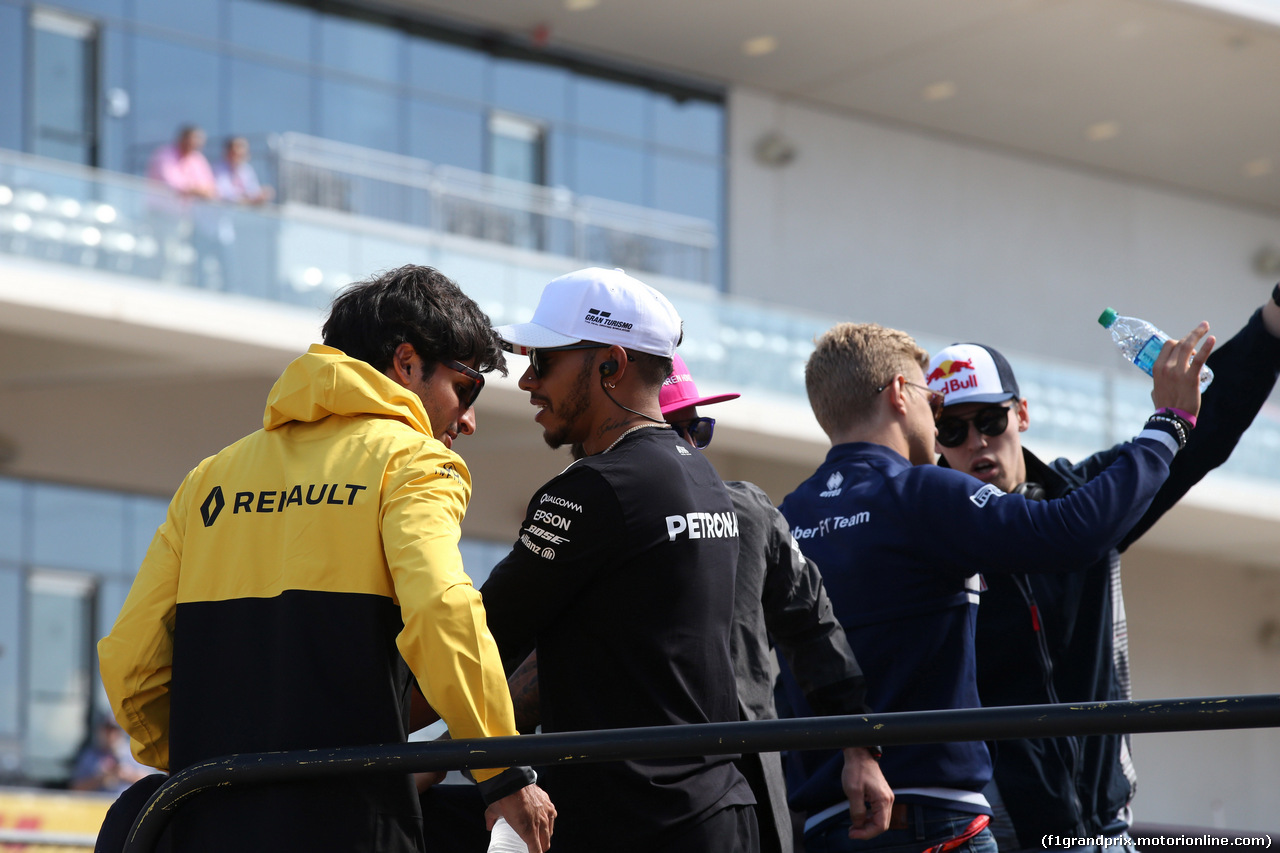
[[610, 385]]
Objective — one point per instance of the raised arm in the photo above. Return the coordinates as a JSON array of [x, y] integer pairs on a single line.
[[1245, 371]]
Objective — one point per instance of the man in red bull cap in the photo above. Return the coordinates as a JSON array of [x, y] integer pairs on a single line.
[[778, 596], [900, 542], [1049, 638]]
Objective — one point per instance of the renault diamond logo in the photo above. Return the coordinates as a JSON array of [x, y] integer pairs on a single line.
[[212, 506]]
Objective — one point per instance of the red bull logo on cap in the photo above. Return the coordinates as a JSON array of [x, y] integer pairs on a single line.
[[946, 369]]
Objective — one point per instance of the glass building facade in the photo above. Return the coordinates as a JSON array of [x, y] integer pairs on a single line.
[[105, 82]]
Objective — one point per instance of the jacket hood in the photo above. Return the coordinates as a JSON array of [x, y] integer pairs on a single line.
[[326, 382]]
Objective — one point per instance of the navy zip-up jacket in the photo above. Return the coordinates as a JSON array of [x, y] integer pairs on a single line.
[[900, 547], [1052, 638]]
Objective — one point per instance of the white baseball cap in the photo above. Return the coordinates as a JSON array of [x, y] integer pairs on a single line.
[[607, 306], [972, 373]]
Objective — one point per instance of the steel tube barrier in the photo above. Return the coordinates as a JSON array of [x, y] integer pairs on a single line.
[[1090, 718]]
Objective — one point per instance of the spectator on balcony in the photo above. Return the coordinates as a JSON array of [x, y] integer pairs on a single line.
[[1050, 638], [182, 167], [235, 177]]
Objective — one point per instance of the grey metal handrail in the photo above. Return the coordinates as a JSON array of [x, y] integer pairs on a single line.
[[1090, 718]]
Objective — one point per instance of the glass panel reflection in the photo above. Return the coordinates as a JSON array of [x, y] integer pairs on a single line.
[[363, 48], [58, 647], [448, 69], [77, 528], [63, 87], [10, 644], [278, 29]]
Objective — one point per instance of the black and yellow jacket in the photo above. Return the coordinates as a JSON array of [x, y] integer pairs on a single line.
[[297, 572]]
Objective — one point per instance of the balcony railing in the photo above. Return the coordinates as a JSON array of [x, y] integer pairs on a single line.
[[367, 182], [300, 254]]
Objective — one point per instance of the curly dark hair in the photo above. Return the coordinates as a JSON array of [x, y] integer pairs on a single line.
[[417, 305]]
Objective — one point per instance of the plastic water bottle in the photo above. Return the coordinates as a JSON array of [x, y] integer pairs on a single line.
[[1140, 342], [505, 840]]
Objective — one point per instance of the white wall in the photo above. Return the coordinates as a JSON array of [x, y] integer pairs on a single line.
[[880, 223], [1195, 629]]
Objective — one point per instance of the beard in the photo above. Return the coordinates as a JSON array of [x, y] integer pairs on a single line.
[[570, 411]]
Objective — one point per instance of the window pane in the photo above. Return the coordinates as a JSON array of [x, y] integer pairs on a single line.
[[560, 165], [10, 520], [62, 83], [111, 596], [444, 134], [193, 16], [112, 129], [611, 106], [516, 150], [11, 31], [267, 99], [145, 515], [77, 528], [530, 89], [447, 68], [181, 88], [686, 185], [361, 115], [276, 28], [609, 170], [479, 558], [692, 124], [361, 47], [58, 652], [108, 8], [10, 602]]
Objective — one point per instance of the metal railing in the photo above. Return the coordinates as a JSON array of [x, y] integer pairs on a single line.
[[1092, 718], [367, 182]]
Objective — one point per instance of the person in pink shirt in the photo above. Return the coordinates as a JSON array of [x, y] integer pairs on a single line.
[[182, 166]]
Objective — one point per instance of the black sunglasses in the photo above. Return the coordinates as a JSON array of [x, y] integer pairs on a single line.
[[990, 421], [474, 375], [537, 355], [696, 431]]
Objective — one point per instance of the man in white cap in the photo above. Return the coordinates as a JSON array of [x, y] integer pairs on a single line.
[[1049, 638], [779, 602], [622, 575]]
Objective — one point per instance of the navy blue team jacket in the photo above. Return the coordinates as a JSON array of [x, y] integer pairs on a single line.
[[900, 548]]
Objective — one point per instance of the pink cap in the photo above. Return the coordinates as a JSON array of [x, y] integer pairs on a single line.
[[679, 391]]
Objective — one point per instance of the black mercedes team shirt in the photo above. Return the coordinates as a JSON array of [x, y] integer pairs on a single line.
[[623, 579]]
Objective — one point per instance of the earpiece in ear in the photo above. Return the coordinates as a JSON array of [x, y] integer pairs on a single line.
[[609, 368]]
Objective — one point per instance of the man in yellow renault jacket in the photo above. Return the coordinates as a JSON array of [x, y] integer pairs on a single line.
[[309, 574]]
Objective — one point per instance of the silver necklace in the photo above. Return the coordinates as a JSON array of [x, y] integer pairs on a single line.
[[633, 429]]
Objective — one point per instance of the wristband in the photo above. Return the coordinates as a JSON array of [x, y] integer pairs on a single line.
[[1178, 413], [1171, 425], [506, 783]]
